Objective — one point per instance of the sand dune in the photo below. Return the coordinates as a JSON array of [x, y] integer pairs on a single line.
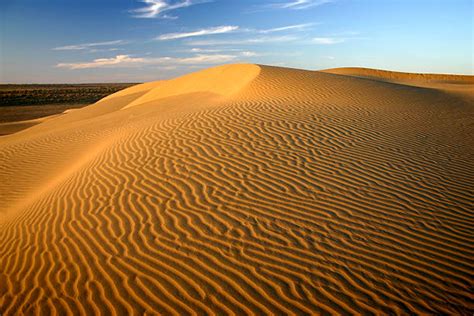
[[244, 189], [402, 76], [460, 84]]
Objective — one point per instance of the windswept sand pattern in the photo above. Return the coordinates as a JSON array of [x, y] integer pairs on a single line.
[[302, 193]]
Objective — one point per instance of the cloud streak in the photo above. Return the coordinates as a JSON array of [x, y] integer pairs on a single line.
[[202, 32], [157, 8], [298, 4], [295, 27], [85, 46], [245, 41], [337, 38], [128, 61], [327, 40]]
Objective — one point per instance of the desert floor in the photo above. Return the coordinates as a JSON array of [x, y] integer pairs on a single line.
[[246, 189]]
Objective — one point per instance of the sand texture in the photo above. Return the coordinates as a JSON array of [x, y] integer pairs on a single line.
[[245, 189]]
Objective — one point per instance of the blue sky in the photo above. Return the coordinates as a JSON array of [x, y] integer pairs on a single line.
[[133, 41]]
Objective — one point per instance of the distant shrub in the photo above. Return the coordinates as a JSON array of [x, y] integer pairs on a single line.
[[56, 93]]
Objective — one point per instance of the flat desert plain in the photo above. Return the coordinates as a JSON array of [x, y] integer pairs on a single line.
[[246, 189]]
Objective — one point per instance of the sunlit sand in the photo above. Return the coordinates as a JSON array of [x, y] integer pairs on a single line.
[[245, 189]]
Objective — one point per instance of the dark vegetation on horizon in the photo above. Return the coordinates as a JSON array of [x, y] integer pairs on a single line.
[[20, 102], [41, 94]]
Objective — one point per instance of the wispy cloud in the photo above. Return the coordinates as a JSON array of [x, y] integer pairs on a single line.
[[101, 50], [202, 32], [212, 50], [103, 62], [245, 41], [295, 27], [202, 59], [297, 4], [157, 8], [235, 51], [204, 50], [232, 28], [327, 40], [85, 46], [128, 61], [336, 38], [249, 54]]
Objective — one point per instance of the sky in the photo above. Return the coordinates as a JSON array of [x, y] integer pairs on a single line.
[[85, 41]]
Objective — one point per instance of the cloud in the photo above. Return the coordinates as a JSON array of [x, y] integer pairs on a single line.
[[245, 41], [287, 28], [297, 4], [204, 50], [156, 8], [101, 50], [232, 28], [235, 51], [90, 45], [337, 38], [103, 62], [249, 54], [212, 50], [202, 32], [128, 61], [203, 59], [328, 40]]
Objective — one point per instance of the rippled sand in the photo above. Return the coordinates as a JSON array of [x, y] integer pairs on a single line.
[[246, 189]]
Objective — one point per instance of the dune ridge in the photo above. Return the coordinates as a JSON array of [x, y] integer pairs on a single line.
[[397, 75], [290, 192], [460, 84]]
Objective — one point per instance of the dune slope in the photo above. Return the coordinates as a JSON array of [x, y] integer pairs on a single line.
[[277, 191]]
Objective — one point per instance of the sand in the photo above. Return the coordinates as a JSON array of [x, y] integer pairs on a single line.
[[245, 189]]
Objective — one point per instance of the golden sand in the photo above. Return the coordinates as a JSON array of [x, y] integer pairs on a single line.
[[245, 189]]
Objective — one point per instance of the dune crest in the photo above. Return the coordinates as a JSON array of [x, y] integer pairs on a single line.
[[243, 190], [223, 80]]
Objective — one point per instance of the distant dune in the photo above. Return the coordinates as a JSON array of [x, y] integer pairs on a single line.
[[246, 189], [402, 76], [462, 84]]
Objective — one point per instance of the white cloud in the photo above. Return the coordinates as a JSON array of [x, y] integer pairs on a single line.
[[101, 50], [245, 41], [328, 40], [298, 4], [202, 32], [204, 59], [103, 62], [248, 54], [89, 45], [204, 50], [287, 28], [156, 8], [128, 61], [211, 50], [235, 51]]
